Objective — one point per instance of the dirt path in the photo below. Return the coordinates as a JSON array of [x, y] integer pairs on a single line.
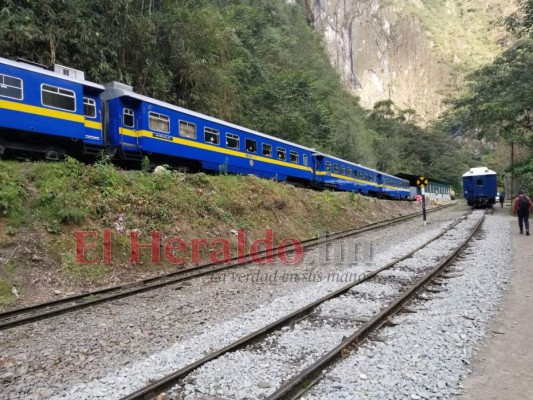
[[503, 370]]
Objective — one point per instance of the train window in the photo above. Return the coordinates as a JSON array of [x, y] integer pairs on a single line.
[[328, 166], [232, 141], [56, 97], [267, 150], [159, 122], [336, 168], [479, 182], [280, 153], [294, 157], [251, 146], [349, 172], [89, 107], [343, 170], [10, 87], [211, 136], [187, 130], [359, 174], [127, 118], [306, 162]]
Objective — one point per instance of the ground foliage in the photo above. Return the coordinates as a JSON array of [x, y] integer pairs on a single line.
[[497, 105], [44, 204], [255, 63]]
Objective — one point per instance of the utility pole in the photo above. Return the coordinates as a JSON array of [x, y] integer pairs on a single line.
[[512, 171]]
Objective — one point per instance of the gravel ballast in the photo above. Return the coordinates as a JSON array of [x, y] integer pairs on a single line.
[[113, 349], [427, 354], [241, 374]]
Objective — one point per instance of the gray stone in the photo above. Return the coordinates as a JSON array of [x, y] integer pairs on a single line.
[[7, 377]]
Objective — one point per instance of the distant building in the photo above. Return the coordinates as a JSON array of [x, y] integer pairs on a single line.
[[435, 190]]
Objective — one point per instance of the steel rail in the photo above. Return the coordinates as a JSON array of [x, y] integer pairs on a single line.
[[295, 387], [34, 313], [152, 390]]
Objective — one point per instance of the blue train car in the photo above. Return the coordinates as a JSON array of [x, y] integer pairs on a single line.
[[335, 173], [48, 111], [366, 180], [140, 125], [480, 187], [55, 110], [393, 187], [339, 174]]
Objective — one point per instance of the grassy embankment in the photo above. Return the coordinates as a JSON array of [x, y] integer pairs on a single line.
[[42, 205]]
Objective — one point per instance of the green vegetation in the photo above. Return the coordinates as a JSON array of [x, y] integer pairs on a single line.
[[497, 103], [458, 30], [47, 203], [61, 196], [255, 63], [404, 146], [6, 297]]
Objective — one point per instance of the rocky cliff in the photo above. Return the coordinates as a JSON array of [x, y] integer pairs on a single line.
[[411, 51]]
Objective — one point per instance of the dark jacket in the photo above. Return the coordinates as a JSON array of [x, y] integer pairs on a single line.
[[517, 199]]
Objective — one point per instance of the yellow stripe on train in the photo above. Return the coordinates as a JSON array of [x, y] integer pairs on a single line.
[[203, 146], [45, 112]]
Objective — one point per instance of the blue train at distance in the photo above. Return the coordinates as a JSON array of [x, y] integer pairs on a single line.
[[480, 187], [57, 112]]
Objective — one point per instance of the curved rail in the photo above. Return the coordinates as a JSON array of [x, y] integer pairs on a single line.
[[152, 390], [30, 314], [298, 385]]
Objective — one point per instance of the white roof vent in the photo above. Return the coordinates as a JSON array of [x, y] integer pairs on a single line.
[[70, 72], [479, 171], [118, 86]]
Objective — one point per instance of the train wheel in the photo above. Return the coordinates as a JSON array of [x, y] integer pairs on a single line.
[[53, 154]]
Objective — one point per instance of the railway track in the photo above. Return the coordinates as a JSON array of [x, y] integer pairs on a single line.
[[30, 314], [300, 381]]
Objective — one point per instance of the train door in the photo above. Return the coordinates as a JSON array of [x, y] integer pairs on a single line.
[[128, 131], [379, 187], [121, 126], [92, 110], [315, 165], [318, 164]]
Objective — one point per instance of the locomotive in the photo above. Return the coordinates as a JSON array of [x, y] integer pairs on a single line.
[[57, 112]]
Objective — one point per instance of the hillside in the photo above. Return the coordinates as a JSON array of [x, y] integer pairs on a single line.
[[259, 64], [413, 52], [43, 205]]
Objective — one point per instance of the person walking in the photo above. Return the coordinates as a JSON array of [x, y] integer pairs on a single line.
[[502, 198], [522, 205]]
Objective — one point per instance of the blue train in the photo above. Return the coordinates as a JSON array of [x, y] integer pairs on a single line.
[[57, 112], [480, 187]]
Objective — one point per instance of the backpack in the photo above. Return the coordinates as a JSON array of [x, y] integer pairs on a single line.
[[523, 204]]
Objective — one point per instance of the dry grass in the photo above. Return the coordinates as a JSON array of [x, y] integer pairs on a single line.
[[45, 204]]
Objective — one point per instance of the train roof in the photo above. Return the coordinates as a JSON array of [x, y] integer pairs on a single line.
[[479, 171], [115, 89], [344, 161], [360, 166], [44, 71]]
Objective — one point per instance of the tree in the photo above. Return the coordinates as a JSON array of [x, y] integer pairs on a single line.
[[520, 22], [498, 102]]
